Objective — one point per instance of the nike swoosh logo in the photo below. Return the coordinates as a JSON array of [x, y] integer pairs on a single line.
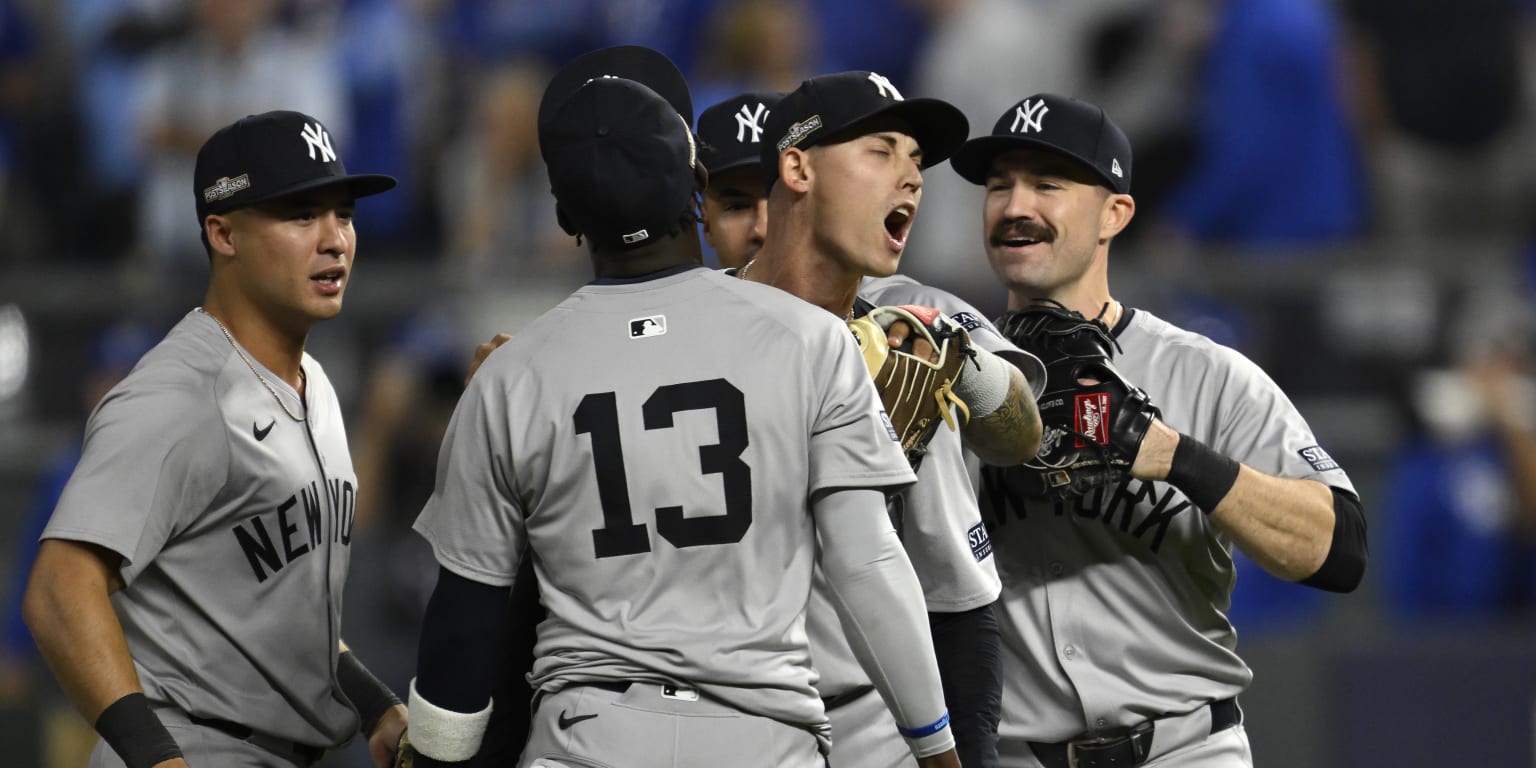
[[567, 722], [261, 432]]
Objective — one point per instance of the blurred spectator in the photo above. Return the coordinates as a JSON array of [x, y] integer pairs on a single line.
[[18, 87], [1275, 163], [877, 35], [385, 54], [754, 45], [493, 191], [1441, 96], [111, 41], [1460, 516], [23, 677], [978, 56], [235, 61]]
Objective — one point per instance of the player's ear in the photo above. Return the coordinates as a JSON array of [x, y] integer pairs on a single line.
[[795, 169], [1117, 213], [218, 231]]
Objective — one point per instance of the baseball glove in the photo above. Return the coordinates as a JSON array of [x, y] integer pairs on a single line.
[[916, 391], [1092, 432], [405, 754]]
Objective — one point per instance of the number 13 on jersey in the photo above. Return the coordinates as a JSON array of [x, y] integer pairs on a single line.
[[598, 416]]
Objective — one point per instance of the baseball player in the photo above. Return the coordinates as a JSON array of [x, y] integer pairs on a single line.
[[188, 590], [844, 169], [735, 204], [1116, 646], [671, 447]]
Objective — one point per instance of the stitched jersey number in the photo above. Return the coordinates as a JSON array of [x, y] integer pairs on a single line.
[[598, 416]]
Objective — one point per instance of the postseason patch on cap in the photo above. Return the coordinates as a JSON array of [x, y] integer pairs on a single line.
[[1318, 458], [799, 131], [225, 187]]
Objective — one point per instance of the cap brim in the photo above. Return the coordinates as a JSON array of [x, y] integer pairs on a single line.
[[631, 62], [740, 162], [358, 184], [974, 159], [939, 127]]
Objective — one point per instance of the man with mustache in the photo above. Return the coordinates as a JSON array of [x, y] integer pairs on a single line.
[[1116, 645]]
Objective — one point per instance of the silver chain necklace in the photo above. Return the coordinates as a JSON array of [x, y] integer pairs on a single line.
[[252, 366]]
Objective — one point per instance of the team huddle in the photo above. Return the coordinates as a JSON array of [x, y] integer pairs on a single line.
[[797, 511]]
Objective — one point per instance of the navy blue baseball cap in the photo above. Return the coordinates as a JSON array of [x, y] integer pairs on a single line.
[[731, 133], [271, 155], [1062, 124], [827, 108], [619, 148]]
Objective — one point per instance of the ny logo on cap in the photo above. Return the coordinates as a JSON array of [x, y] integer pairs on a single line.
[[317, 138], [1027, 117], [886, 89], [749, 120]]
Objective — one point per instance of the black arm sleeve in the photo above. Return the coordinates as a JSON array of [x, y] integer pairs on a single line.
[[507, 732], [970, 666], [1344, 567], [463, 636]]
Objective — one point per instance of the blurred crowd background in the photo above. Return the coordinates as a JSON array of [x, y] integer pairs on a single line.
[[1341, 189]]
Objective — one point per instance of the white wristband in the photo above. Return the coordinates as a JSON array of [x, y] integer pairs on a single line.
[[443, 734], [984, 384]]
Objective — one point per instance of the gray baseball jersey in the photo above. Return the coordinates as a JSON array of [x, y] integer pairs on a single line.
[[656, 445], [235, 527], [940, 524], [1114, 605]]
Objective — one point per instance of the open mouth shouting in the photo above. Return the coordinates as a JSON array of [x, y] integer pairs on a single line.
[[898, 224]]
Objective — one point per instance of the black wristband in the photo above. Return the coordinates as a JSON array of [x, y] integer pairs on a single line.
[[1204, 475], [133, 731], [368, 694]]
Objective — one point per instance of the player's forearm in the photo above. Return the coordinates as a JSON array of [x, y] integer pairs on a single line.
[[68, 609], [463, 633], [879, 601], [1009, 435], [1285, 524]]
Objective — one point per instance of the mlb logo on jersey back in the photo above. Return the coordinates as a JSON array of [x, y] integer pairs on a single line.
[[1318, 458], [1090, 417], [641, 327], [980, 540]]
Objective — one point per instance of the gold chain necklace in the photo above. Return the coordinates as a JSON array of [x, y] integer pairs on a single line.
[[252, 366]]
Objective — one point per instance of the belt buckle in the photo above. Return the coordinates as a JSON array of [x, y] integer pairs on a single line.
[[1129, 738], [1094, 744]]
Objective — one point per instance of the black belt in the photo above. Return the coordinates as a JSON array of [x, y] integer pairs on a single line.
[[1121, 747], [842, 699], [303, 754]]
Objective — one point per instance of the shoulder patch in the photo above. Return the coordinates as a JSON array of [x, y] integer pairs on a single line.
[[1318, 458], [890, 428], [980, 540], [967, 320]]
